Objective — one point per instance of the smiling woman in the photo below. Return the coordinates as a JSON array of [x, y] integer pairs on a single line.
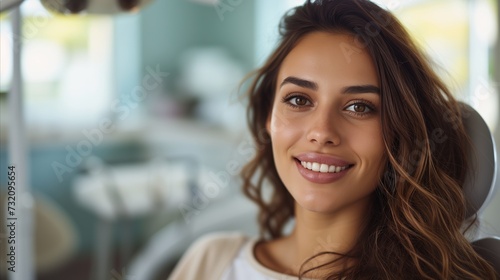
[[325, 126], [343, 112]]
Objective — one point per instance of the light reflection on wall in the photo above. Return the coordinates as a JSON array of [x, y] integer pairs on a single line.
[[458, 35]]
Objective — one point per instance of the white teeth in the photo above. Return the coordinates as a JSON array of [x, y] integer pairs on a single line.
[[323, 168], [315, 166]]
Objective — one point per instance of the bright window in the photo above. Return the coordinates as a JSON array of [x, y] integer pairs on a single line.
[[66, 65], [459, 36]]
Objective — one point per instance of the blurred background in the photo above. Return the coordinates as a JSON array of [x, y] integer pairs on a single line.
[[136, 128]]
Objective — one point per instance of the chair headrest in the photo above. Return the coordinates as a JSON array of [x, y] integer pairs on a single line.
[[489, 249], [481, 177]]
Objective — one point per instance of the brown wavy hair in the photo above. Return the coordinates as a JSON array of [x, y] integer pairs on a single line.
[[419, 209]]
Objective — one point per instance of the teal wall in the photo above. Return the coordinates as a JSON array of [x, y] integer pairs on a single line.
[[170, 27]]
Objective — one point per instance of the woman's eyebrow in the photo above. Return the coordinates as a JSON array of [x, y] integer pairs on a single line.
[[361, 89], [299, 82], [314, 86]]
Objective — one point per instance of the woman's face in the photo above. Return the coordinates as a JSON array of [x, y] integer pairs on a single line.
[[325, 124]]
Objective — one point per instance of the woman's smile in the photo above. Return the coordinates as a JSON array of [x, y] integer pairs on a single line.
[[321, 168]]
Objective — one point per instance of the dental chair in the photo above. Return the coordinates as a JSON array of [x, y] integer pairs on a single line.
[[489, 249], [481, 180], [169, 243], [231, 213]]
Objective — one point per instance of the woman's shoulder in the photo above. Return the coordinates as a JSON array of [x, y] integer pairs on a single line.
[[209, 255]]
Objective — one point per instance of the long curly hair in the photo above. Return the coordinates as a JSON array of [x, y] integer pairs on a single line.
[[416, 227]]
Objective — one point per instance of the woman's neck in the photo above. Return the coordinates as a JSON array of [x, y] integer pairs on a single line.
[[314, 233]]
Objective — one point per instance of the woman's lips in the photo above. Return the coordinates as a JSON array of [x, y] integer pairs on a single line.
[[320, 168]]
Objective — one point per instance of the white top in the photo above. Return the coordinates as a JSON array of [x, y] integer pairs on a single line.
[[245, 267], [224, 256]]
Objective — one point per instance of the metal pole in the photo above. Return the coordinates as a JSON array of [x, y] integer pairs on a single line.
[[22, 216]]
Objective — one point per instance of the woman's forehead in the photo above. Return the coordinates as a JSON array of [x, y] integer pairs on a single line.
[[323, 56]]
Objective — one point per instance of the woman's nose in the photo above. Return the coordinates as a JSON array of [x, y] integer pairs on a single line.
[[323, 130]]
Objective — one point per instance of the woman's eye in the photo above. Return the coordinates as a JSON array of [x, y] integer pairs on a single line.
[[298, 101], [301, 101], [359, 108]]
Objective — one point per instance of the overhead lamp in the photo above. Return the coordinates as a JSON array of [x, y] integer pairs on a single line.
[[94, 6]]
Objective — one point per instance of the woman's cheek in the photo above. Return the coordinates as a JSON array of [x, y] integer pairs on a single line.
[[285, 124]]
